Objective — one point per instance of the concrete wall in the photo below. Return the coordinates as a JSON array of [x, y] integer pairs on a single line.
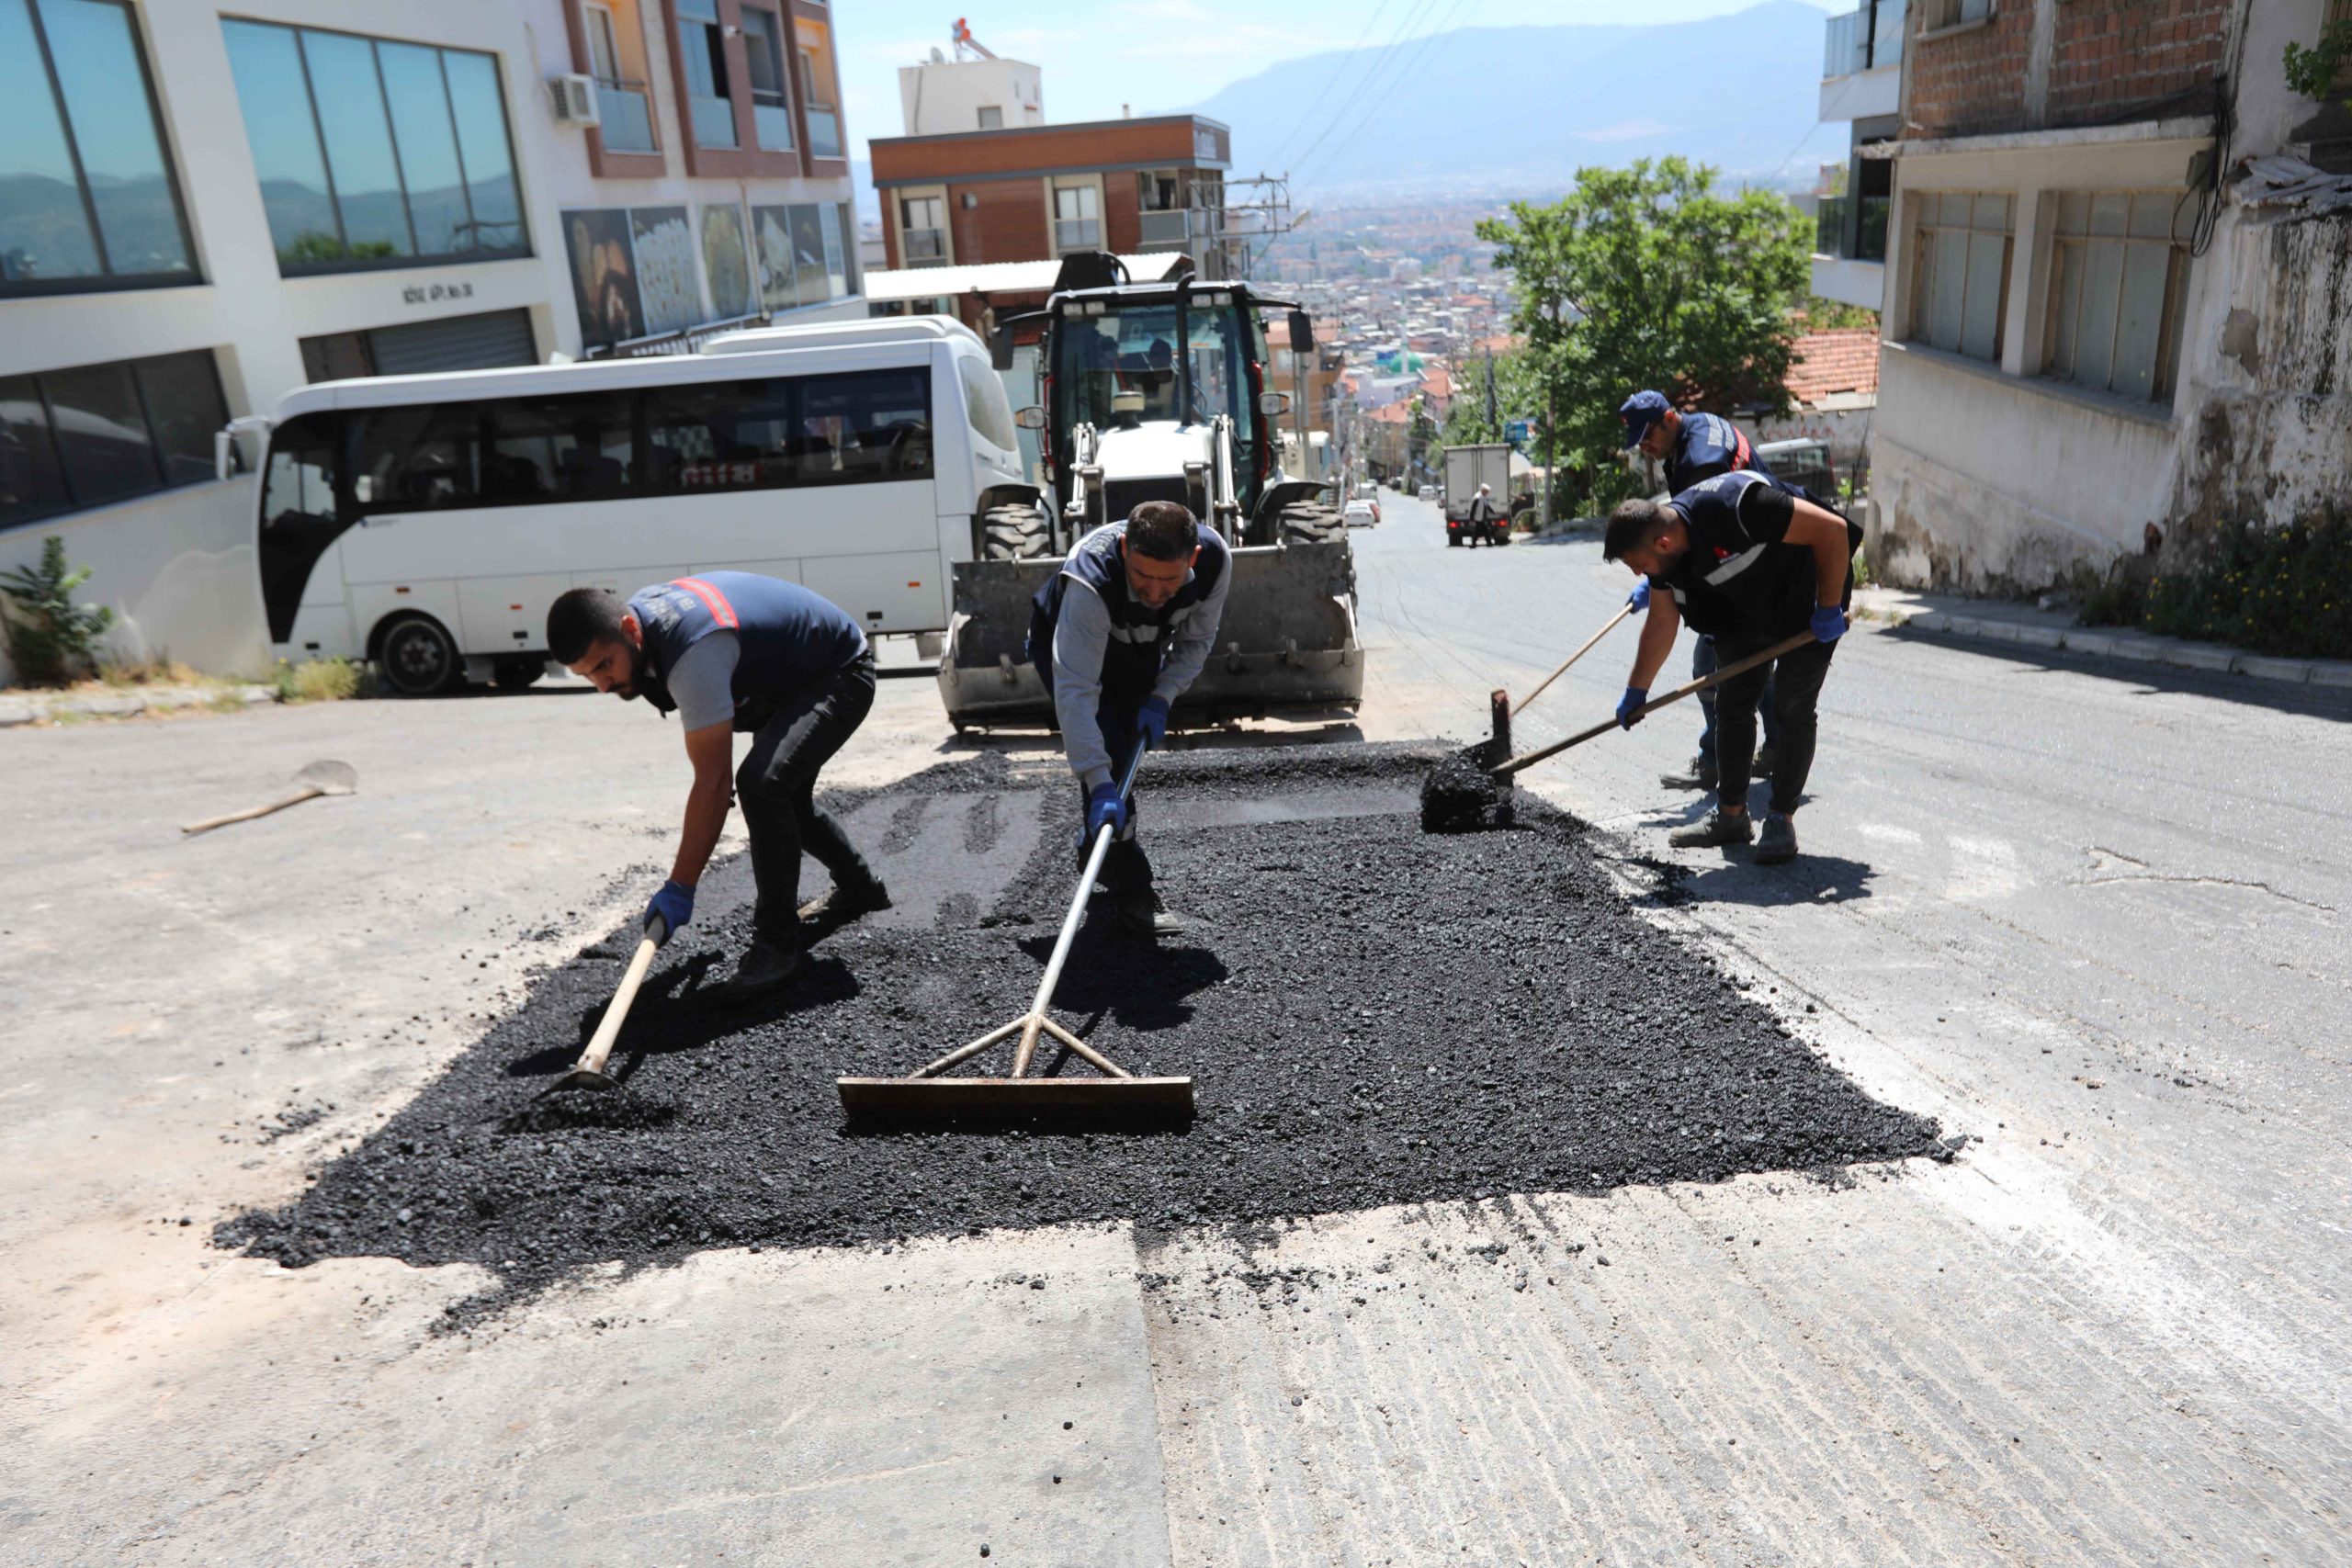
[[1851, 282], [939, 100]]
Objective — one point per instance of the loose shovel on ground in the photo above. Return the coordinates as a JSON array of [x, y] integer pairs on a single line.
[[1504, 769], [325, 777], [1118, 1098], [588, 1072]]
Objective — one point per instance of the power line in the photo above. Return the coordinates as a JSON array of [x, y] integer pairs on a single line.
[[1380, 57], [1329, 81], [1372, 106]]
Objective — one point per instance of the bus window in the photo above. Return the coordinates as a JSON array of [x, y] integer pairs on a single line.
[[299, 517], [414, 460], [865, 426], [990, 411], [717, 435], [573, 447]]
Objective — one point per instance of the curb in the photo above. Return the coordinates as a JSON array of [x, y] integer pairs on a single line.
[[20, 711], [2117, 642]]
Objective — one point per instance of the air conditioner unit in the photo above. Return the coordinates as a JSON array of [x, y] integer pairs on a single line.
[[575, 99]]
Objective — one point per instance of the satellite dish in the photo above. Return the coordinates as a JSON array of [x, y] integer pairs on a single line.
[[937, 58]]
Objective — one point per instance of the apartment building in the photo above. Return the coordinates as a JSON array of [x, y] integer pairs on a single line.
[[2100, 331], [202, 207], [1861, 87]]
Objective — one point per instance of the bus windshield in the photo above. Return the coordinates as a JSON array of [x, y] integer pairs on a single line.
[[1133, 352]]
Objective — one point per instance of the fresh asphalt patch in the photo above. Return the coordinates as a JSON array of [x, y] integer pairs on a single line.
[[1372, 1015]]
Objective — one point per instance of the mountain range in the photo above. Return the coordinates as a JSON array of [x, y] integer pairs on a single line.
[[1496, 109]]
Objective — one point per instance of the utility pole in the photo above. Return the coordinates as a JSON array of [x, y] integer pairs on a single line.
[[1551, 447]]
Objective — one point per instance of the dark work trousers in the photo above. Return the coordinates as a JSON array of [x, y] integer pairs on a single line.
[[776, 787], [1795, 679], [1703, 663], [1126, 870]]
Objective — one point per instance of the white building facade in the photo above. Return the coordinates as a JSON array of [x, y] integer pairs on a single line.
[[201, 210]]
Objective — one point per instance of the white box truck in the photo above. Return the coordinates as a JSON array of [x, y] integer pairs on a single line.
[[1467, 468]]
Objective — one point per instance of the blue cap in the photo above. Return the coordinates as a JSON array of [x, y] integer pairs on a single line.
[[1640, 412]]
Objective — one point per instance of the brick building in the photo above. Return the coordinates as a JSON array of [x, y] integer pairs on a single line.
[[1034, 193], [2093, 322]]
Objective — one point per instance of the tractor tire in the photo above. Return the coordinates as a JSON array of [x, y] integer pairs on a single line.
[[1312, 522], [1015, 533]]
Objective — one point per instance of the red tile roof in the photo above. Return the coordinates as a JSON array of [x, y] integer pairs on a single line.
[[1389, 414], [1843, 360], [1436, 382]]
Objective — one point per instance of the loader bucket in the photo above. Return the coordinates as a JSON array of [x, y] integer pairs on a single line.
[[1288, 638]]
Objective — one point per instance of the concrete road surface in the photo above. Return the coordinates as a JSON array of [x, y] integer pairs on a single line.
[[2091, 916]]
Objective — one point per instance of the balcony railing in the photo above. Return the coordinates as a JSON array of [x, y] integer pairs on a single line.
[[772, 122], [687, 340], [924, 247], [625, 115], [1166, 227], [714, 121], [1869, 236], [1078, 234], [1863, 40], [824, 131]]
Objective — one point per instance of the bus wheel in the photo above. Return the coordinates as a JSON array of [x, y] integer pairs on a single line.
[[517, 674], [418, 659]]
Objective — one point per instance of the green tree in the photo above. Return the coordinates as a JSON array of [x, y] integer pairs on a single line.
[[52, 640], [1648, 276]]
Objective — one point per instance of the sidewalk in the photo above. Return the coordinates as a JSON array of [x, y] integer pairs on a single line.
[[20, 706], [2001, 621]]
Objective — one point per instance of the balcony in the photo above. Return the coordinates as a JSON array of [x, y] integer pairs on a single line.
[[1168, 231], [626, 115], [713, 119], [1861, 63], [824, 131], [772, 122], [1078, 234], [923, 247], [1855, 274]]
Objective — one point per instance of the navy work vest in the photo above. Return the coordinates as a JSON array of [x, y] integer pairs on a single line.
[[1707, 444], [1139, 636], [788, 637], [1730, 582]]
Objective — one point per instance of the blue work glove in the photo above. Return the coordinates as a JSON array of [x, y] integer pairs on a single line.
[[1640, 597], [1151, 723], [1629, 707], [1104, 808], [1829, 623], [676, 905]]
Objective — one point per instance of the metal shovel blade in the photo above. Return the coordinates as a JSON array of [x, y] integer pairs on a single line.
[[582, 1077], [328, 777], [1091, 1102]]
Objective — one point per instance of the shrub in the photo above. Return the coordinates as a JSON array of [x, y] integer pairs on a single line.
[[51, 641], [2278, 590], [319, 681]]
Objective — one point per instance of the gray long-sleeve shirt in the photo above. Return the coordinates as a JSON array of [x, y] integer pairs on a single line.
[[1080, 638]]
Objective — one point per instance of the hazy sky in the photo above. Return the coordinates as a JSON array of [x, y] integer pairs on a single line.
[[1167, 54]]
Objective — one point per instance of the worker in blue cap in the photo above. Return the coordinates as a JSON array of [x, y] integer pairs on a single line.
[[1693, 447]]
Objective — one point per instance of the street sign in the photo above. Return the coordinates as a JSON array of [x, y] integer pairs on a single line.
[[1516, 431]]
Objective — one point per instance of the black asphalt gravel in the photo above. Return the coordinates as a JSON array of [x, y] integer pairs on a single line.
[[1372, 1014], [1460, 796]]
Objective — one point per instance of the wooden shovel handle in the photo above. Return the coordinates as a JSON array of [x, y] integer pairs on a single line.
[[1530, 759], [1591, 643], [308, 792], [608, 1028]]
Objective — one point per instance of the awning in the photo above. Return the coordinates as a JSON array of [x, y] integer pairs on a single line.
[[902, 284]]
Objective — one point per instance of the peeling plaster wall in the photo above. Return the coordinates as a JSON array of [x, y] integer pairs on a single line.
[[2267, 426]]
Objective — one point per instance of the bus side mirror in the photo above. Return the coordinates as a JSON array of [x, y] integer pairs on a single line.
[[1000, 348], [1031, 418], [224, 455], [1273, 404], [1302, 331]]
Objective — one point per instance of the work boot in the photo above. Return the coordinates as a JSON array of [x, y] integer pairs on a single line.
[[765, 965], [1778, 844], [845, 904], [1144, 912], [1714, 829], [1699, 775]]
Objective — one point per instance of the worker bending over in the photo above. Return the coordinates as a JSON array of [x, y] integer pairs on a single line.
[[1750, 565], [1121, 631], [1692, 447], [731, 652]]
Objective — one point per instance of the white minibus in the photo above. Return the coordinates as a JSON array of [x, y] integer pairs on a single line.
[[426, 522]]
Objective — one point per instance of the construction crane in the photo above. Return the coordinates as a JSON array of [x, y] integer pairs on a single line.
[[964, 41]]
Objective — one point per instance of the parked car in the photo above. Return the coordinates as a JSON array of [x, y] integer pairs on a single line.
[[1427, 492], [1361, 515], [1802, 462]]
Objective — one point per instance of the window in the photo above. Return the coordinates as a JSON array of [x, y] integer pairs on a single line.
[[99, 434], [1077, 221], [991, 117], [2119, 276], [863, 427], [419, 459], [1952, 13], [702, 56], [824, 125], [923, 231], [991, 411], [873, 425], [764, 51], [1961, 272], [571, 448], [92, 202], [371, 152]]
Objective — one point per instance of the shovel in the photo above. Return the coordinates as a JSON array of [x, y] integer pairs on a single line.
[[1608, 627], [1504, 769], [325, 777], [1116, 1098], [589, 1071]]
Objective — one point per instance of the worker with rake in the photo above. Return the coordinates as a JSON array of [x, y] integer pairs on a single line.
[[734, 652], [1751, 564], [1120, 633]]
